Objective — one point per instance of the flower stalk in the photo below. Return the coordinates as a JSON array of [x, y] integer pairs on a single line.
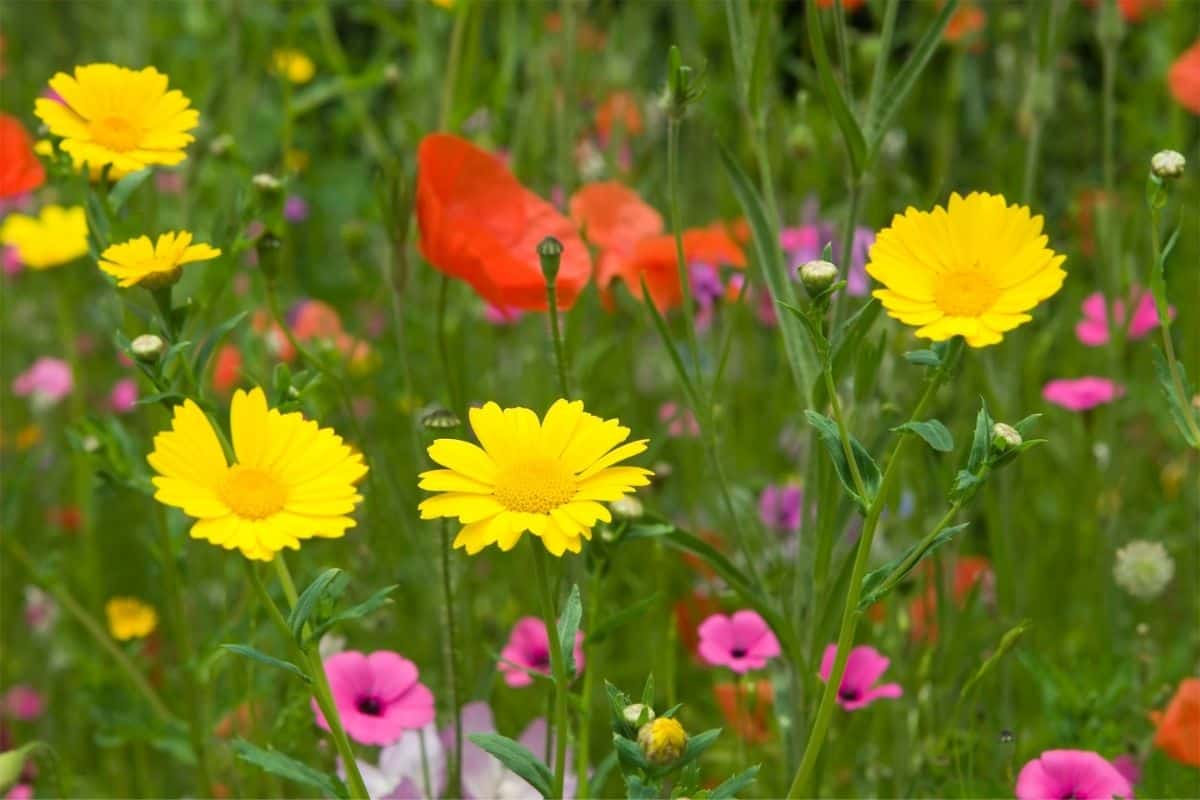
[[557, 664]]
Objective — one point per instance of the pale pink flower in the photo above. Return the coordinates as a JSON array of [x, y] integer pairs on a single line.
[[123, 397], [680, 421], [46, 382], [1081, 394]]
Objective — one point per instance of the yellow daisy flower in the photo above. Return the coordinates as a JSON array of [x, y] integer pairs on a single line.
[[118, 116], [56, 236], [291, 480], [972, 270], [156, 265], [130, 618], [293, 65], [547, 477]]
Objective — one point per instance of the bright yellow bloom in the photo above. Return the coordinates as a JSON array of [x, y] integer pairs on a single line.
[[547, 477], [153, 265], [118, 116], [970, 271], [293, 65], [56, 236], [130, 618], [291, 480]]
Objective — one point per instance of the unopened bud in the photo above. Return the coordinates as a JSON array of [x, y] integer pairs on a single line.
[[662, 741], [626, 507], [267, 248], [221, 145], [1005, 437], [440, 418], [1167, 164], [817, 276], [633, 712], [266, 182], [147, 348], [550, 252], [391, 74]]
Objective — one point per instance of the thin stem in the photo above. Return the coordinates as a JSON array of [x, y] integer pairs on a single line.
[[1164, 329], [451, 657], [850, 614], [885, 46], [583, 742], [556, 336], [444, 345], [685, 280], [843, 435], [557, 664], [563, 103], [461, 10]]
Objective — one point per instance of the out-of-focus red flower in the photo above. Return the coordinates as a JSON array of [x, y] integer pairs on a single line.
[[655, 260], [1131, 10], [619, 107], [689, 613], [20, 170], [68, 518], [1178, 732], [1090, 202], [227, 368], [847, 5], [1184, 79], [746, 707], [479, 224], [965, 23], [241, 720], [614, 218], [968, 571], [587, 36]]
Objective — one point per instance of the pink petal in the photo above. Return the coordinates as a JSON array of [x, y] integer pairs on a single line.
[[864, 666], [392, 675], [718, 631], [1092, 333]]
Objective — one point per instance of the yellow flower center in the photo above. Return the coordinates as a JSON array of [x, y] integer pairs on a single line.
[[252, 493], [115, 133], [965, 292], [535, 487]]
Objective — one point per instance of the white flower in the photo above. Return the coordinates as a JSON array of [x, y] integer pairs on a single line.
[[1143, 569]]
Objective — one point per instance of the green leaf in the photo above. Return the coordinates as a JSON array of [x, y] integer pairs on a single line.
[[729, 789], [965, 484], [868, 470], [935, 434], [568, 624], [835, 96], [258, 655], [638, 789], [664, 333], [923, 358], [879, 582], [369, 606], [696, 745], [1007, 642], [906, 78], [982, 442], [214, 338], [648, 691], [517, 758], [1025, 426], [1180, 408], [12, 763], [277, 763], [849, 335], [327, 587], [606, 627], [125, 187]]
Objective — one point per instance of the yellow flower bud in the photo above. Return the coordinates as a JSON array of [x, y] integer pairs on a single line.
[[662, 741]]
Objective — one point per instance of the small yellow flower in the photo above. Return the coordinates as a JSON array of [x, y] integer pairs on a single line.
[[153, 265], [443, 3], [118, 116], [972, 270], [130, 618], [293, 65], [56, 236], [548, 477], [290, 480], [662, 741]]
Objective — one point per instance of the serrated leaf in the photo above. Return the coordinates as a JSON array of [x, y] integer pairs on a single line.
[[277, 763], [879, 582], [924, 358], [261, 657], [935, 434], [328, 585], [1179, 407], [868, 470], [729, 789], [568, 624], [517, 758], [965, 484], [638, 789]]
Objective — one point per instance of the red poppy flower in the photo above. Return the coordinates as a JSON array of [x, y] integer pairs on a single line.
[[227, 369], [746, 707], [968, 571], [479, 224], [621, 106], [965, 23], [1179, 726], [20, 170], [614, 218], [689, 613], [655, 259], [1184, 79]]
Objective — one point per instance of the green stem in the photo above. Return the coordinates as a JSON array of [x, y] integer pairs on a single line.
[[1164, 329], [685, 280], [444, 345], [850, 615], [556, 336], [583, 743], [860, 486], [885, 47], [451, 657], [557, 664], [461, 10], [564, 104]]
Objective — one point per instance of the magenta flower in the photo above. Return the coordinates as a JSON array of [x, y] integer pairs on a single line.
[[22, 702], [802, 243], [680, 421], [295, 208], [1129, 768], [1081, 394], [864, 667], [741, 642], [46, 382], [1077, 774], [528, 650], [1093, 329], [378, 696], [123, 397], [22, 791], [779, 507], [10, 260], [501, 316]]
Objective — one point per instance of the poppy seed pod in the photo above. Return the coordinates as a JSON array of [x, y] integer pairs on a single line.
[[550, 252], [662, 741]]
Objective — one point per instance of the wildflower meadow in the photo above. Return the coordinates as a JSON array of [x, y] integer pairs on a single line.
[[600, 398]]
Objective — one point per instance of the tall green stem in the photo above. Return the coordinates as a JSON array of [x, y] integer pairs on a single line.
[[454, 789], [443, 343], [685, 279], [557, 663], [1164, 329], [461, 10], [583, 743], [560, 349]]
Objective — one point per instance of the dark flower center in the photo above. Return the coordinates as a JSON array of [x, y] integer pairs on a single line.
[[539, 660], [738, 652], [369, 705], [849, 695]]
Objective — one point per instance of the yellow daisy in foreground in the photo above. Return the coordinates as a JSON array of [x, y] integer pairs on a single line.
[[130, 618], [972, 270], [291, 480], [118, 116], [153, 265], [56, 236], [548, 477], [293, 65]]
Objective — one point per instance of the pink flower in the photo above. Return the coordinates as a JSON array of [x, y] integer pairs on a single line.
[[779, 507], [680, 421], [741, 642], [1129, 768], [168, 182], [497, 315], [864, 667], [22, 791], [378, 696], [295, 208], [23, 702], [47, 382], [528, 650], [1093, 329], [41, 611], [1079, 774], [10, 260], [1081, 394], [123, 397]]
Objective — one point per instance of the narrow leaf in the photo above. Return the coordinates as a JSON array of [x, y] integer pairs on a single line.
[[935, 434], [839, 105], [372, 604], [1007, 642], [606, 627], [924, 358], [272, 661], [328, 585], [849, 335], [568, 625], [517, 758], [982, 440], [729, 789], [125, 187], [868, 470], [879, 582], [277, 763], [214, 338]]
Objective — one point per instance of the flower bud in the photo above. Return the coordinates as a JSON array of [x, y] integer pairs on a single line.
[[626, 507], [1005, 438], [267, 248], [221, 145], [266, 183], [147, 348], [662, 741], [439, 418], [550, 252], [817, 276], [1168, 164], [1143, 569], [632, 713]]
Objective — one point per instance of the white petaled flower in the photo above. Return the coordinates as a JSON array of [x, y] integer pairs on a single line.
[[1143, 569]]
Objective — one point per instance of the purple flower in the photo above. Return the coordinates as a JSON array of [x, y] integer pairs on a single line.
[[864, 667], [1077, 774], [779, 507], [741, 642], [295, 208]]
